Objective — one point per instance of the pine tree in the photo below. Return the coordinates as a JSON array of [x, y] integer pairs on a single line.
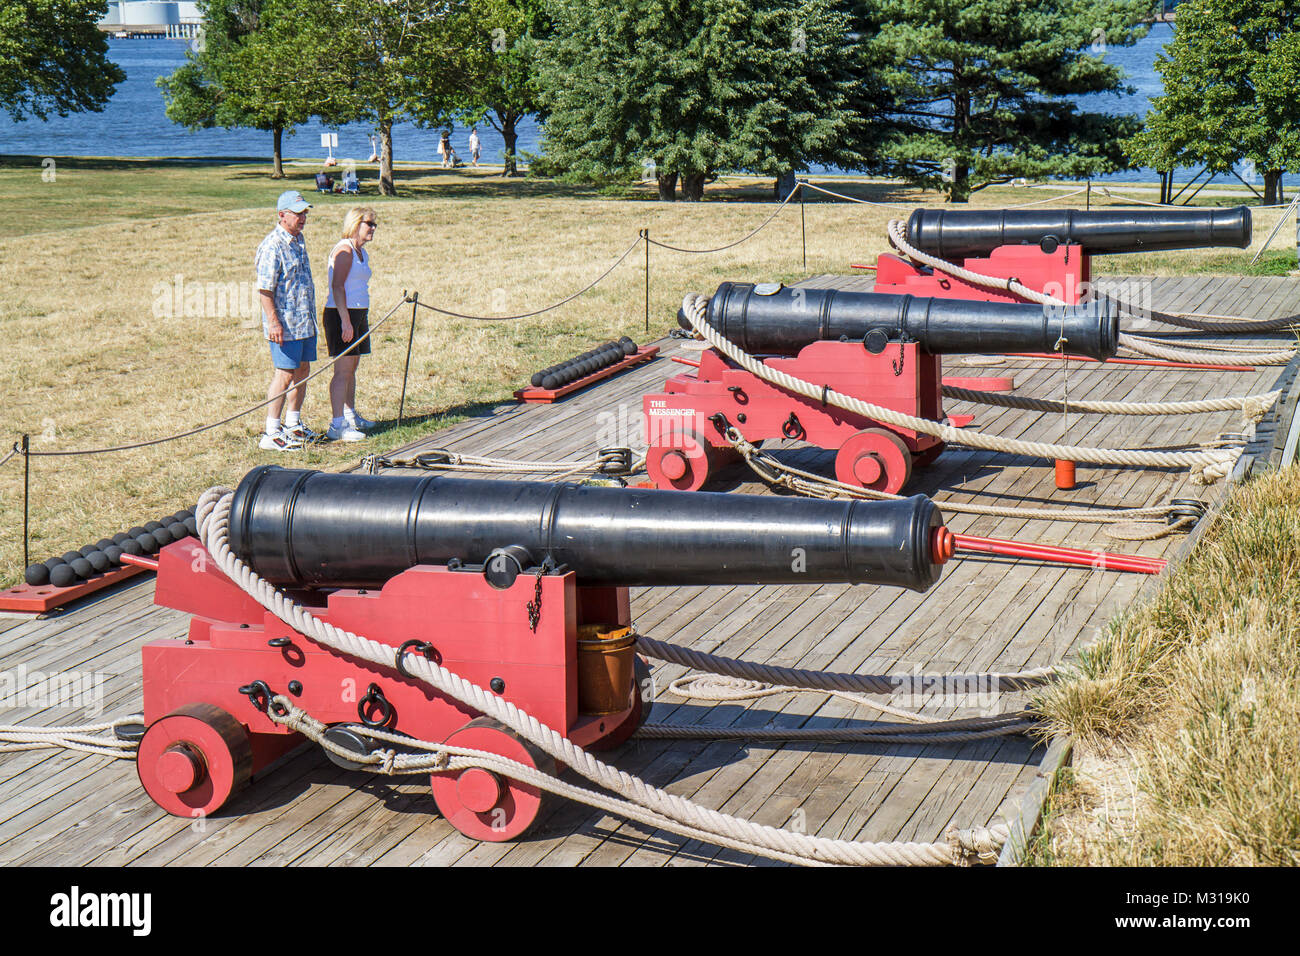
[[1232, 91], [963, 94], [696, 87]]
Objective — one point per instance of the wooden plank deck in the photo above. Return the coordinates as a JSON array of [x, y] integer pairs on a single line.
[[986, 613]]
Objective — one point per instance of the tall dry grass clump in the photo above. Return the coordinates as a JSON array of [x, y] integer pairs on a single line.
[[1187, 714]]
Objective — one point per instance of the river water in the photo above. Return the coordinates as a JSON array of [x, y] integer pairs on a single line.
[[134, 123]]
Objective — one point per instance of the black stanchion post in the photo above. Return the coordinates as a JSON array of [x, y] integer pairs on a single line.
[[27, 471], [803, 225], [401, 408], [645, 234], [1089, 195]]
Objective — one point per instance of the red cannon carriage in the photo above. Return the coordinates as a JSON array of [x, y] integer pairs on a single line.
[[520, 588]]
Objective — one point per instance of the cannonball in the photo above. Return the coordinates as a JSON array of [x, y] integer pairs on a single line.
[[628, 346], [120, 537], [135, 532], [81, 568], [551, 381], [152, 526], [148, 542], [178, 530], [537, 379], [70, 556], [114, 555], [85, 549], [103, 543], [99, 560], [53, 563], [63, 576], [162, 536], [37, 575], [192, 525], [132, 546]]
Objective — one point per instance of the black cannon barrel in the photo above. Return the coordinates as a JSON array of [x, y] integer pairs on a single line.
[[299, 527], [776, 320], [953, 233]]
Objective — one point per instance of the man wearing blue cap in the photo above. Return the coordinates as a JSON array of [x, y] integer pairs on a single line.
[[288, 321]]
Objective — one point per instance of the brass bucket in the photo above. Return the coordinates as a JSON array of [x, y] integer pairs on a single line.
[[606, 662]]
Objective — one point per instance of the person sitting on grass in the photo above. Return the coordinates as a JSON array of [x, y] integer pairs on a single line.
[[324, 183]]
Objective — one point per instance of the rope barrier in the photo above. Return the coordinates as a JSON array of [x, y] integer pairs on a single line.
[[527, 315], [13, 451], [224, 421], [745, 238]]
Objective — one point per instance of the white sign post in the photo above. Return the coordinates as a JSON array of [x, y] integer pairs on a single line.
[[329, 141]]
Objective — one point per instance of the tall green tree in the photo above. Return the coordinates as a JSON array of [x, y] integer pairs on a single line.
[[963, 94], [1232, 91], [54, 59], [382, 63], [224, 81], [697, 87], [503, 88]]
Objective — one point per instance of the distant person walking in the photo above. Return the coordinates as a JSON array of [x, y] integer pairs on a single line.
[[444, 148], [345, 321], [474, 145], [288, 297]]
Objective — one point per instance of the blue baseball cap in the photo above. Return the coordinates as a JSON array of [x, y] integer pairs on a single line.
[[292, 200]]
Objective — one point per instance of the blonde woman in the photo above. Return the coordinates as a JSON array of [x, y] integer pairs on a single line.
[[345, 322]]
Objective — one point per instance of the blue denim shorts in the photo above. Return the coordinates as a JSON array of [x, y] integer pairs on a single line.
[[290, 355]]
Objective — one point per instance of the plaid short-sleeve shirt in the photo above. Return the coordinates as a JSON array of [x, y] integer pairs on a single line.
[[282, 268]]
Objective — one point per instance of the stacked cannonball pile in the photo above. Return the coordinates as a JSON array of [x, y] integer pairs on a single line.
[[106, 553], [557, 376]]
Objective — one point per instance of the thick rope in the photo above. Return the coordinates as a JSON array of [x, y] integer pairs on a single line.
[[1207, 467], [440, 459], [87, 738], [1129, 524], [1252, 407], [213, 517], [827, 680]]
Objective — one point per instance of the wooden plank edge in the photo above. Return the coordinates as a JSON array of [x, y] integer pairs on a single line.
[[1025, 823]]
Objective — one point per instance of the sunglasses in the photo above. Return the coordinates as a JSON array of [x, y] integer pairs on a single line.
[[370, 222]]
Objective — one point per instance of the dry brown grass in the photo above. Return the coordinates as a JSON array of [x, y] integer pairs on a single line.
[[1187, 714], [92, 365]]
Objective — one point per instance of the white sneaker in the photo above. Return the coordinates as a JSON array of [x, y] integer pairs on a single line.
[[345, 433], [356, 421], [280, 441], [301, 432]]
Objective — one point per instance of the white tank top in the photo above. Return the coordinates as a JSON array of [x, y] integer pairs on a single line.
[[356, 287]]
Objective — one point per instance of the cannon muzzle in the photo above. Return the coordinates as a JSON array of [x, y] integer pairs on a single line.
[[956, 233], [308, 528], [776, 320]]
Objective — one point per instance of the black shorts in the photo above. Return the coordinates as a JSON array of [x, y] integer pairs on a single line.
[[334, 332]]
